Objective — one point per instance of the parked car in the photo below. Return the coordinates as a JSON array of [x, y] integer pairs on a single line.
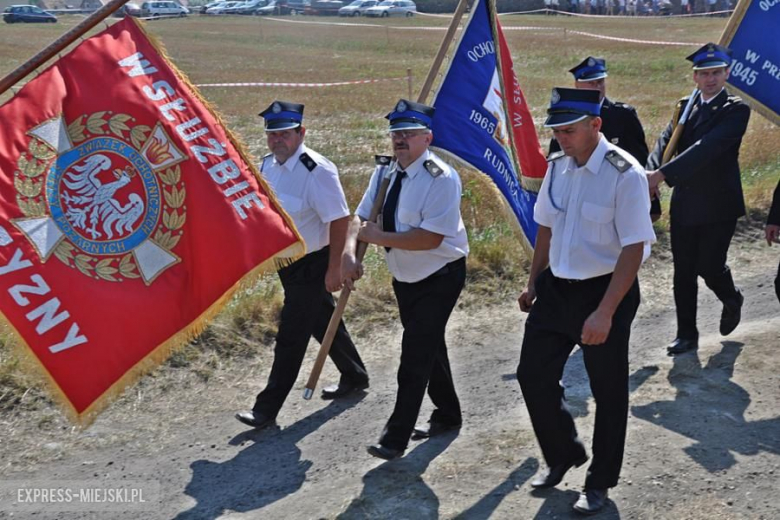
[[393, 8], [27, 14], [249, 7], [209, 5], [236, 8], [292, 6], [222, 7], [357, 8], [131, 9], [324, 7], [163, 8], [269, 9]]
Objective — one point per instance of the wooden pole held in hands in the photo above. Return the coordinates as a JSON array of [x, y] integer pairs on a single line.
[[671, 146], [59, 44], [386, 166]]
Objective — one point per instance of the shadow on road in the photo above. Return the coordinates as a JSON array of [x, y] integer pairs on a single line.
[[396, 487], [558, 504], [486, 506], [709, 408], [267, 470]]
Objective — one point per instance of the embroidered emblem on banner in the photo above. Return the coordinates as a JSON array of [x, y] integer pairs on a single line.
[[102, 195]]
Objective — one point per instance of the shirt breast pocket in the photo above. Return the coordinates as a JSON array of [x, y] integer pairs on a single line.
[[409, 217], [291, 204], [598, 223]]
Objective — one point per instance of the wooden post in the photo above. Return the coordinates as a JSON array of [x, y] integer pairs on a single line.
[[59, 44], [445, 44], [335, 318], [671, 146]]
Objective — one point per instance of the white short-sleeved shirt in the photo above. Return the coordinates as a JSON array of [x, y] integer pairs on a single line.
[[312, 198], [595, 211], [426, 202]]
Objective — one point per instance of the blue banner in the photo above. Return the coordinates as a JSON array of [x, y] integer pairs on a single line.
[[755, 66], [470, 120]]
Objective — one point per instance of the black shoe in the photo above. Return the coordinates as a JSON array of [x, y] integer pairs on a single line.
[[255, 420], [432, 429], [383, 452], [678, 346], [731, 315], [553, 476], [591, 501], [342, 389]]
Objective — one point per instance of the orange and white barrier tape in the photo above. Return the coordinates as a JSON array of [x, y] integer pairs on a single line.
[[305, 85], [632, 40], [632, 17], [506, 28]]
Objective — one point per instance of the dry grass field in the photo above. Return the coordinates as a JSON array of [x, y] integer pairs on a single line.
[[346, 122]]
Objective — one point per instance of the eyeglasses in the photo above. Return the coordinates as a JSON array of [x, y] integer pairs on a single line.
[[407, 134]]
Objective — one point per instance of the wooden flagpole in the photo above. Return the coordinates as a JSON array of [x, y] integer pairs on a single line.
[[335, 318], [341, 305], [445, 44], [59, 44], [671, 146]]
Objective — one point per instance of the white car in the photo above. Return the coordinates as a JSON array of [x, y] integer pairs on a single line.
[[163, 8], [266, 10], [222, 8], [393, 8], [357, 8]]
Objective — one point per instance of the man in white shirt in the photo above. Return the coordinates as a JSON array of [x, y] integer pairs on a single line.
[[308, 187], [426, 247], [594, 233]]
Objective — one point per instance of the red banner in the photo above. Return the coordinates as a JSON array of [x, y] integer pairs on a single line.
[[128, 215], [533, 163]]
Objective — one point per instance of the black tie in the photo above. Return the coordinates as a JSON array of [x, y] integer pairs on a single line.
[[391, 204]]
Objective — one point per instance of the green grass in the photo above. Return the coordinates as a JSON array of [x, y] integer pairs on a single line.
[[346, 124]]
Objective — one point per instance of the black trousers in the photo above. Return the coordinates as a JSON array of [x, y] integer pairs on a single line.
[[307, 309], [425, 308], [777, 283], [553, 328], [700, 251]]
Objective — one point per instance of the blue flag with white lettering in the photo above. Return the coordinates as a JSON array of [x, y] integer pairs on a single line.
[[755, 65], [482, 119]]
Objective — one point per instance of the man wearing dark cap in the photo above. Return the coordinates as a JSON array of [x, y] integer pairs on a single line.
[[773, 230], [308, 187], [707, 196], [594, 233], [619, 121], [425, 246]]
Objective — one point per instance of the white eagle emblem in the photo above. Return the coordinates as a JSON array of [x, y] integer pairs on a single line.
[[94, 204]]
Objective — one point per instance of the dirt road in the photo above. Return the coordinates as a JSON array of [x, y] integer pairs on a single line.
[[704, 430]]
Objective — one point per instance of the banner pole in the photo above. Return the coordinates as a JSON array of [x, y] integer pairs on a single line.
[[445, 43], [341, 305], [59, 44]]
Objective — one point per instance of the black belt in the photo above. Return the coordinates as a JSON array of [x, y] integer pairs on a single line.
[[574, 281], [451, 267]]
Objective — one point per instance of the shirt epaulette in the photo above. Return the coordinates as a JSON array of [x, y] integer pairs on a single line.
[[383, 160], [265, 158], [308, 162], [732, 99], [555, 155], [434, 169], [618, 161], [625, 106]]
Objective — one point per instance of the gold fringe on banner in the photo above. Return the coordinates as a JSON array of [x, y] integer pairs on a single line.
[[163, 351]]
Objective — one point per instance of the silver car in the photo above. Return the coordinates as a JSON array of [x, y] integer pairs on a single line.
[[357, 8], [392, 8]]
